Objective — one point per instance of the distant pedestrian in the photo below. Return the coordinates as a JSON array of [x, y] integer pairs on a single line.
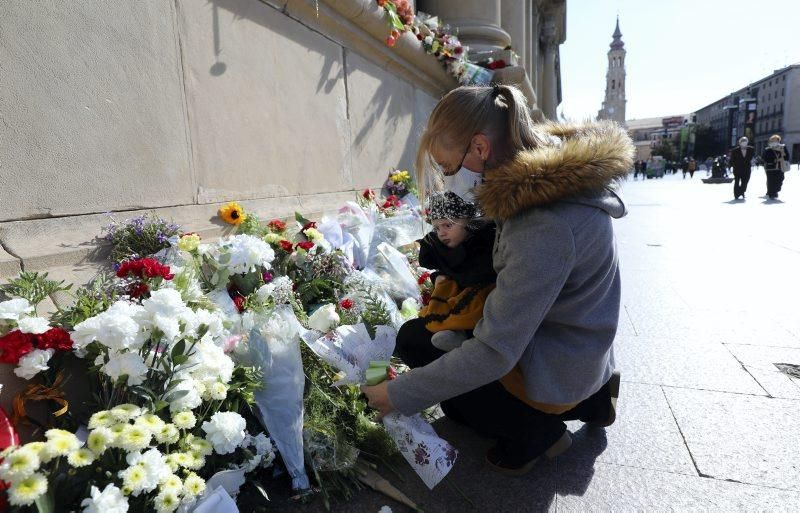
[[643, 168], [709, 163], [685, 166], [774, 156], [691, 166], [637, 166], [741, 160]]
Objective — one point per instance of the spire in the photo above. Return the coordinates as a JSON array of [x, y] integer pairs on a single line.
[[617, 43]]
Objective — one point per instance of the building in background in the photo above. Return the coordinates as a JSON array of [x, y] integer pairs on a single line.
[[767, 106], [614, 104], [648, 133]]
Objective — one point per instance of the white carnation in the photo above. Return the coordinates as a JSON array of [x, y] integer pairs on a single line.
[[188, 401], [166, 310], [225, 431], [120, 327], [33, 363], [324, 318], [208, 363], [15, 308], [34, 325], [247, 253], [130, 364], [110, 500]]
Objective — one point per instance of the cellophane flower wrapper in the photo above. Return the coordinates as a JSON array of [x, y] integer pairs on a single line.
[[430, 456], [350, 349], [389, 268], [274, 347]]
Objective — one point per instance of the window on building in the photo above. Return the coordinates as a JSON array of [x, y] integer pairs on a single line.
[[613, 82]]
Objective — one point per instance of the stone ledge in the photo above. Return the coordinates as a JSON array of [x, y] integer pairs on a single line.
[[60, 243]]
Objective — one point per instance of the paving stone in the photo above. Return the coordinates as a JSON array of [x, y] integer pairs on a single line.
[[607, 487], [760, 362], [682, 362], [645, 434], [740, 437]]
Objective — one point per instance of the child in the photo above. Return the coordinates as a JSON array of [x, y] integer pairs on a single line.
[[459, 249]]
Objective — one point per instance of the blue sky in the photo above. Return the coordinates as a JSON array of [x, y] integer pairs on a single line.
[[682, 54]]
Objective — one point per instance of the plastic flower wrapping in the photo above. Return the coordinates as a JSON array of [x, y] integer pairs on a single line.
[[209, 361]]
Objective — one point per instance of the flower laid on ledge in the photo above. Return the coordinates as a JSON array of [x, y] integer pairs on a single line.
[[232, 213]]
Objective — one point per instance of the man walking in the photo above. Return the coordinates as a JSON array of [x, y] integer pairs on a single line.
[[741, 160]]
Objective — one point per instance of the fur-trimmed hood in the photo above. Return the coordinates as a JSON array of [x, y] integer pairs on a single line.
[[588, 160]]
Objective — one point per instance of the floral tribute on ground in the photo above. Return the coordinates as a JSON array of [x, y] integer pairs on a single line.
[[206, 359]]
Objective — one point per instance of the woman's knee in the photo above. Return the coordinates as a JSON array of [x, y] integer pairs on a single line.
[[413, 344]]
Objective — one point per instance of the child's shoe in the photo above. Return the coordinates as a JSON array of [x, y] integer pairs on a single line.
[[448, 340]]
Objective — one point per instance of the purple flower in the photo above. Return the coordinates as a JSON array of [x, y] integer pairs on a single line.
[[161, 237], [267, 276]]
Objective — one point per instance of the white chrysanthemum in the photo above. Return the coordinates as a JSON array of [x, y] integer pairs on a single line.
[[25, 491], [168, 434], [125, 412], [80, 458], [126, 364], [19, 464], [110, 500], [195, 461], [134, 438], [117, 430], [33, 363], [176, 460], [40, 448], [14, 309], [151, 422], [193, 485], [102, 418], [100, 439], [167, 502], [34, 325], [184, 419], [199, 445], [134, 479], [324, 318], [225, 431], [247, 253], [217, 391], [171, 483], [214, 323], [166, 310], [188, 401], [120, 327], [60, 442]]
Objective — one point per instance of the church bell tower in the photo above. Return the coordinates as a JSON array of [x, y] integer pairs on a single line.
[[614, 104]]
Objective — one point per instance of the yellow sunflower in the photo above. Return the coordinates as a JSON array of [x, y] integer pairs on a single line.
[[232, 213]]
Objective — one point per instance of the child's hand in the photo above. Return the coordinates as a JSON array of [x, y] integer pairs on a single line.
[[439, 279]]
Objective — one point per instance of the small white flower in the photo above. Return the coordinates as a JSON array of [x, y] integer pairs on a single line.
[[151, 422], [225, 431], [60, 442], [80, 458], [168, 434], [184, 419], [134, 438], [110, 500], [324, 318], [171, 483], [25, 491], [15, 308], [100, 439], [188, 401], [126, 364], [33, 363], [167, 501], [34, 325], [193, 485], [125, 412], [20, 464], [218, 391], [102, 418]]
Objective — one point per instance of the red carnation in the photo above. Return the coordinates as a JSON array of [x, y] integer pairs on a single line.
[[54, 338], [14, 345], [498, 64], [391, 373], [392, 201], [239, 302], [368, 194], [347, 303], [306, 245], [310, 224], [276, 225], [138, 290], [144, 268], [286, 246], [423, 278]]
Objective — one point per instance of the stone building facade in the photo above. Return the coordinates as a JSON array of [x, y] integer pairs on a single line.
[[614, 103], [770, 105], [179, 106]]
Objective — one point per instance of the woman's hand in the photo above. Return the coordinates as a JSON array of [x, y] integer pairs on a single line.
[[378, 398]]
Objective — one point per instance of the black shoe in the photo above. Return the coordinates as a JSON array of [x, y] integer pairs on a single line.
[[613, 390], [499, 460]]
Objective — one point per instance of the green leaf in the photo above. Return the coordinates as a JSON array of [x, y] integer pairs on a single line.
[[300, 219], [174, 396], [160, 405], [45, 503], [178, 349], [180, 359], [395, 20]]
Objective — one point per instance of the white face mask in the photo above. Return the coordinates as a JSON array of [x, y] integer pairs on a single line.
[[463, 181], [774, 144]]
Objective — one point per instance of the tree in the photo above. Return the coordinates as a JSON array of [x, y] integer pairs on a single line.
[[706, 143], [666, 148]]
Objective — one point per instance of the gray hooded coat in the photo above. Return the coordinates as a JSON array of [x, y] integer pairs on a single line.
[[556, 306]]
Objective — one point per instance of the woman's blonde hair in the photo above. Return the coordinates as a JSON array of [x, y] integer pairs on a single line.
[[775, 137], [499, 112]]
